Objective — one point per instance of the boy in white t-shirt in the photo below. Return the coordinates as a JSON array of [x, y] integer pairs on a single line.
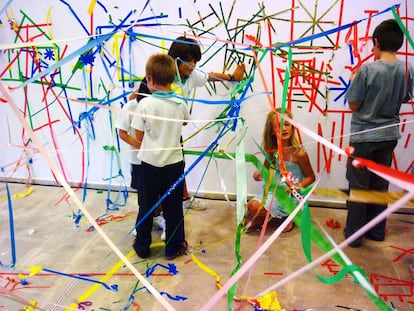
[[158, 128]]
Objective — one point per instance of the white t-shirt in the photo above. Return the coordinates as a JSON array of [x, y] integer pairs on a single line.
[[161, 144], [123, 122], [196, 79]]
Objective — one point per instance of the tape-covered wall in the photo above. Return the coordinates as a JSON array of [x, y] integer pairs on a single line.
[[70, 67]]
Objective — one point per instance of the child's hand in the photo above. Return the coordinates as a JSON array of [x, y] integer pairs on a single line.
[[239, 72], [288, 190], [257, 176]]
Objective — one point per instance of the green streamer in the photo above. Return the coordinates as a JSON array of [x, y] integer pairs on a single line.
[[232, 290], [241, 174], [310, 233], [118, 158], [241, 204], [402, 26], [286, 83]]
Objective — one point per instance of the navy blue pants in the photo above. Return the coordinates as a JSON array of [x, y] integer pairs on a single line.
[[359, 213], [135, 175], [154, 182]]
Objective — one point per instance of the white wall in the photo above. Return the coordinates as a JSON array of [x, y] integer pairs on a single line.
[[66, 29]]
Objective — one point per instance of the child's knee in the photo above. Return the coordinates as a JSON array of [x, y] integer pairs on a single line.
[[253, 205]]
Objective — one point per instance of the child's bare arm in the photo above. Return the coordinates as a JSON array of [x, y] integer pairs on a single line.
[[353, 106], [237, 75], [307, 169], [128, 138], [140, 136]]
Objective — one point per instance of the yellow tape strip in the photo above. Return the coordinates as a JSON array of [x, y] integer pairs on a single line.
[[207, 269], [19, 195], [105, 278], [91, 7]]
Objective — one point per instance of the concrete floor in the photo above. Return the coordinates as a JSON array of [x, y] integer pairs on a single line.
[[76, 267]]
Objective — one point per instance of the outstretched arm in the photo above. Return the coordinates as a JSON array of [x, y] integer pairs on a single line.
[[237, 75]]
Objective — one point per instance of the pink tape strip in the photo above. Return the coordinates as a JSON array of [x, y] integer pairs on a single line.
[[61, 179]]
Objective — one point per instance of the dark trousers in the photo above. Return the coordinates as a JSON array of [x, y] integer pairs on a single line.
[[154, 182], [360, 214], [135, 175]]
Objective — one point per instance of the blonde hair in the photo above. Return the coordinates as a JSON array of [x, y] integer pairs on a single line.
[[269, 142]]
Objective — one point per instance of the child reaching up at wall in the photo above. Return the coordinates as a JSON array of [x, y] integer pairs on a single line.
[[186, 53], [296, 161]]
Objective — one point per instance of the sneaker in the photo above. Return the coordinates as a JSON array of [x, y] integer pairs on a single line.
[[354, 244], [161, 222], [186, 203], [163, 235], [193, 203], [375, 237], [180, 252], [161, 225], [143, 253]]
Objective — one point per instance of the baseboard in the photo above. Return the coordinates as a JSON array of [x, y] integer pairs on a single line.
[[313, 201]]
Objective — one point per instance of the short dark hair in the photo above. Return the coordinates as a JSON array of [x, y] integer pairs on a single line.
[[161, 68], [389, 36], [186, 49]]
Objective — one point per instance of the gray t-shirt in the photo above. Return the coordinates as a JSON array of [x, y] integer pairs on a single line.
[[379, 88]]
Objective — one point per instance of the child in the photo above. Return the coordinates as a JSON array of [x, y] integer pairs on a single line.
[[158, 130], [375, 97], [186, 53], [127, 134], [296, 161]]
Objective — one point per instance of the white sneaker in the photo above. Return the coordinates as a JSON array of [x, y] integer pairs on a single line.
[[193, 203], [162, 237], [161, 225], [186, 203]]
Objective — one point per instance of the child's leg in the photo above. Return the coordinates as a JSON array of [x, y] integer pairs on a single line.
[[255, 216], [172, 209], [147, 197]]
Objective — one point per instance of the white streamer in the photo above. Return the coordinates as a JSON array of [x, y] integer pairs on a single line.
[[59, 176]]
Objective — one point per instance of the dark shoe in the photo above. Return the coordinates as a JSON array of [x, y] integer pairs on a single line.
[[181, 251], [375, 237], [143, 253], [354, 244]]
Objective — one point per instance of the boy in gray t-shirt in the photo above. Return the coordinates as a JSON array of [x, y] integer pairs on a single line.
[[375, 96]]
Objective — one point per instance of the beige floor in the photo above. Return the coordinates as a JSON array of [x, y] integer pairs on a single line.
[[47, 238]]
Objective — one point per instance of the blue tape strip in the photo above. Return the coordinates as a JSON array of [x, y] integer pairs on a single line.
[[91, 44], [113, 287], [179, 180], [11, 224]]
